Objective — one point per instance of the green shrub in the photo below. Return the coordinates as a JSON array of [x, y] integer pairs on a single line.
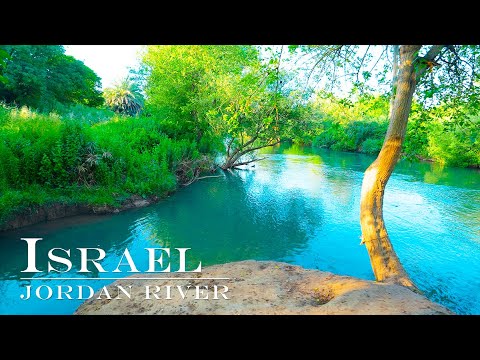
[[454, 147], [371, 146], [84, 114], [47, 158], [351, 136], [360, 126]]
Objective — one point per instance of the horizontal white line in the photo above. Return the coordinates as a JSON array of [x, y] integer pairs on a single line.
[[125, 278]]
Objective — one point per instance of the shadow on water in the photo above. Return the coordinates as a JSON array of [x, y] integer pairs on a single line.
[[300, 206]]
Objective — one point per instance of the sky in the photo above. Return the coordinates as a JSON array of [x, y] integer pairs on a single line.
[[110, 62]]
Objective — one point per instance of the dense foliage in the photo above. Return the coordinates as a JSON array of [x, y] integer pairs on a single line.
[[42, 77], [3, 62], [359, 126], [223, 97], [50, 159]]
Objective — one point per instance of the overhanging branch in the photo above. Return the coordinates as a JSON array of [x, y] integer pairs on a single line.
[[430, 57]]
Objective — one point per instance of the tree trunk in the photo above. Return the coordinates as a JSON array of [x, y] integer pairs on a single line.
[[232, 159], [385, 263], [396, 53]]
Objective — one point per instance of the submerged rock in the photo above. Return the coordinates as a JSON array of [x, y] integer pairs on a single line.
[[259, 287]]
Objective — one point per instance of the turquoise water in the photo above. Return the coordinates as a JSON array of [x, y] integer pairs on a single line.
[[299, 206]]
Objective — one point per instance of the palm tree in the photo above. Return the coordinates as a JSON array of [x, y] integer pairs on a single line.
[[124, 97]]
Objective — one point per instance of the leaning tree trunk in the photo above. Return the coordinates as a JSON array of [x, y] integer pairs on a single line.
[[385, 263], [396, 51]]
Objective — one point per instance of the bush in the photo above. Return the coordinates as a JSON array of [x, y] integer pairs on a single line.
[[454, 147], [361, 126], [84, 114], [47, 158], [371, 146], [351, 136]]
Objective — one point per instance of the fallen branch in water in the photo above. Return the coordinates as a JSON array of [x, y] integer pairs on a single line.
[[200, 178], [246, 163], [209, 176], [188, 170], [243, 150]]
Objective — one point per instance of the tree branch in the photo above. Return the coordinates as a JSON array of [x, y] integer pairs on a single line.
[[325, 54], [381, 55], [248, 162], [259, 147], [363, 59], [229, 145], [209, 176], [430, 56], [246, 144]]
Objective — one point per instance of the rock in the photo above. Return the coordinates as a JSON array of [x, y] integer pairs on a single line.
[[102, 209], [265, 287], [141, 203]]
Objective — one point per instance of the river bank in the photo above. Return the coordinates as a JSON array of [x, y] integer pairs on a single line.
[[262, 288], [37, 214], [433, 171]]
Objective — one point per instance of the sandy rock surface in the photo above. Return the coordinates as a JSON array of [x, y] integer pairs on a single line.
[[261, 287]]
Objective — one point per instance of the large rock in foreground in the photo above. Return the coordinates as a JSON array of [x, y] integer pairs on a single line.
[[264, 287]]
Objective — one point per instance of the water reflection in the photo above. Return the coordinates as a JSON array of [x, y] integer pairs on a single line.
[[236, 218]]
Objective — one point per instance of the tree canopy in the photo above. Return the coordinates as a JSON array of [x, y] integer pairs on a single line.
[[42, 76], [225, 93], [446, 73], [184, 80]]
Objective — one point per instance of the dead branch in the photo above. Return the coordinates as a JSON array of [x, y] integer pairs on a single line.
[[209, 176]]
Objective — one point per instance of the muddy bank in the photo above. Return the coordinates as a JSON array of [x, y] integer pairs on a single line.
[[265, 287], [56, 211]]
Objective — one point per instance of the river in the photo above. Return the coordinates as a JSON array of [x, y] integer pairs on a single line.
[[299, 206]]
